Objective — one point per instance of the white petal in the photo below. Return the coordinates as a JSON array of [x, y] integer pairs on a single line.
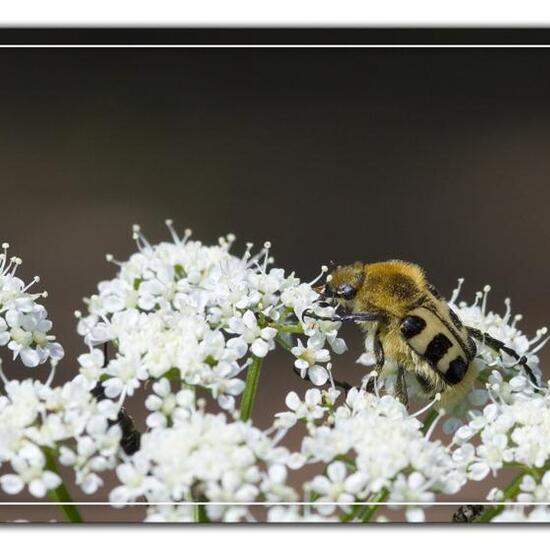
[[226, 402], [355, 482], [292, 400], [268, 333], [277, 473], [56, 351], [415, 480], [119, 495], [286, 419], [30, 357], [51, 480], [11, 484], [249, 320], [336, 471], [37, 488], [296, 461], [415, 515], [156, 420], [313, 397], [318, 375], [301, 364], [260, 348], [478, 471], [236, 325], [338, 346], [13, 318]]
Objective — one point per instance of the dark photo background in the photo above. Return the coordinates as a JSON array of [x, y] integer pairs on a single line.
[[438, 156]]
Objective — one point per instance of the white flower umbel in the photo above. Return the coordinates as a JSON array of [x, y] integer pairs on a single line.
[[36, 419], [298, 514], [205, 458], [24, 324], [199, 315], [521, 514], [373, 449], [503, 328], [514, 430]]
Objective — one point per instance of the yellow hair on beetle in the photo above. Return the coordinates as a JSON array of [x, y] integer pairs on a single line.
[[413, 326]]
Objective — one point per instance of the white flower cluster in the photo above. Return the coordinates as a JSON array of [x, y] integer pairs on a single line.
[[36, 419], [24, 324], [513, 430], [519, 514], [183, 321], [503, 328], [202, 457], [371, 445], [197, 313]]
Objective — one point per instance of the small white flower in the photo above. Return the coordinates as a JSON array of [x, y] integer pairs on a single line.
[[124, 375], [24, 325], [134, 479], [260, 339], [412, 488], [29, 466], [310, 409], [332, 488], [309, 357], [91, 364]]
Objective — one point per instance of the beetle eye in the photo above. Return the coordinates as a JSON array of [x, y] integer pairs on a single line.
[[347, 292]]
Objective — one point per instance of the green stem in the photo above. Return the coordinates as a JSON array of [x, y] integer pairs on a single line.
[[510, 493], [283, 343], [368, 512], [200, 515], [60, 494], [289, 329], [365, 512], [429, 420], [249, 394]]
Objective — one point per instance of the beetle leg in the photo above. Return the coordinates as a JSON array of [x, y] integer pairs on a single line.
[[499, 346], [380, 358], [358, 316], [401, 387]]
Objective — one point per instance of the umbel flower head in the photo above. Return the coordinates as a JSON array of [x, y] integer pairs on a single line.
[[504, 328], [197, 314], [36, 419], [371, 446], [24, 324], [203, 457]]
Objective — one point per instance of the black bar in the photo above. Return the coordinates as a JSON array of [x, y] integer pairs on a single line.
[[272, 35]]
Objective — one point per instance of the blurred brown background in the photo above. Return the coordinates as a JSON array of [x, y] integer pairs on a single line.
[[438, 156]]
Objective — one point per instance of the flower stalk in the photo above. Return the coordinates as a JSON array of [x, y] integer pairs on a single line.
[[249, 394], [510, 493], [199, 514], [61, 494], [429, 420], [368, 512]]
